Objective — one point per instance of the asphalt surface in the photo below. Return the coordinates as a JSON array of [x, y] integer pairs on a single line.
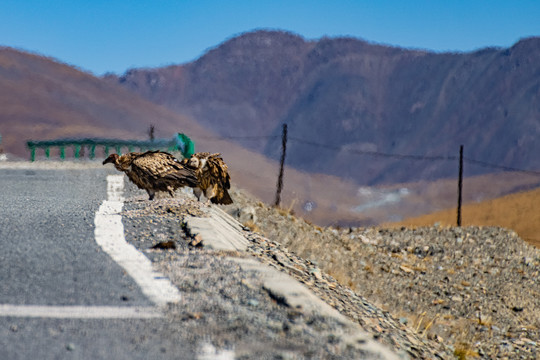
[[49, 258]]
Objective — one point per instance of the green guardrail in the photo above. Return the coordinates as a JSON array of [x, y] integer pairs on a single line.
[[180, 142]]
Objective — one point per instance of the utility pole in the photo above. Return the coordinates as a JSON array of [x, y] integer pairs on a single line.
[[460, 185], [282, 161], [151, 130]]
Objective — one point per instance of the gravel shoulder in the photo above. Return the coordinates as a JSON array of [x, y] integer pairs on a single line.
[[222, 303], [473, 290], [234, 310]]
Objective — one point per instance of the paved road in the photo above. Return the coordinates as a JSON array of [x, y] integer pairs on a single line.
[[49, 255], [61, 295], [49, 261]]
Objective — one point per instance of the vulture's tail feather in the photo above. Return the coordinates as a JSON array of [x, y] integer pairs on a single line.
[[223, 198]]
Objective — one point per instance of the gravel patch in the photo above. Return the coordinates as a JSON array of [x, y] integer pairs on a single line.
[[426, 293], [222, 299], [472, 290], [223, 305]]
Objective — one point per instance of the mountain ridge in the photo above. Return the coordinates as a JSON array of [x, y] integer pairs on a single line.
[[353, 94]]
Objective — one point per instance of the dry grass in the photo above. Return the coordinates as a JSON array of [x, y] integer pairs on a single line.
[[464, 351], [252, 226], [464, 340], [343, 255]]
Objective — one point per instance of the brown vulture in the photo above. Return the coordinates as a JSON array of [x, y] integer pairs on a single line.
[[213, 176], [154, 171]]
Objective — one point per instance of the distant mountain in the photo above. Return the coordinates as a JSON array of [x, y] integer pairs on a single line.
[[363, 101]]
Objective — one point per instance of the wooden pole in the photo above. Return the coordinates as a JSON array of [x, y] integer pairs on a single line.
[[151, 131], [282, 161], [460, 185]]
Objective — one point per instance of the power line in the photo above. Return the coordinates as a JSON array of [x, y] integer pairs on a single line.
[[412, 157], [501, 167], [375, 153], [246, 137]]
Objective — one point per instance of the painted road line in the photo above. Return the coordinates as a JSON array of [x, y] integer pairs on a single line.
[[109, 234], [207, 351], [80, 312]]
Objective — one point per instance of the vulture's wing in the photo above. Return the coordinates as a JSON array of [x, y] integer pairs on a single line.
[[162, 166], [219, 170], [202, 155]]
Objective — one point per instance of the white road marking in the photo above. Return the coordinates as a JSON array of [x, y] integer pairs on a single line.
[[207, 351], [80, 312], [109, 234]]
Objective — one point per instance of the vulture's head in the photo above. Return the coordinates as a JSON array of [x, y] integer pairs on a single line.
[[113, 159], [194, 162]]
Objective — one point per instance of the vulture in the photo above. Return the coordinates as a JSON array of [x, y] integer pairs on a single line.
[[154, 171], [213, 176]]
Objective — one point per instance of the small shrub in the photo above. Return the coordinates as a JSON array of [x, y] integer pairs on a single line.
[[252, 226]]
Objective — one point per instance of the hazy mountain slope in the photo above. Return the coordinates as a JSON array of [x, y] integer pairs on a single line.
[[242, 88], [356, 96], [43, 99]]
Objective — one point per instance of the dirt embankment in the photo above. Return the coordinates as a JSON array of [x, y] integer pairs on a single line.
[[473, 288]]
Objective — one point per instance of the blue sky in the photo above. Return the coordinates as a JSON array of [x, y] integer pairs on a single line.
[[108, 35]]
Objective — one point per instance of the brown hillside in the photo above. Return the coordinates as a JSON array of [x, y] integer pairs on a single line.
[[519, 212], [43, 99]]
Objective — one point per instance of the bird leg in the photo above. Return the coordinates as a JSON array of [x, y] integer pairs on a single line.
[[151, 194], [197, 192], [210, 192]]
